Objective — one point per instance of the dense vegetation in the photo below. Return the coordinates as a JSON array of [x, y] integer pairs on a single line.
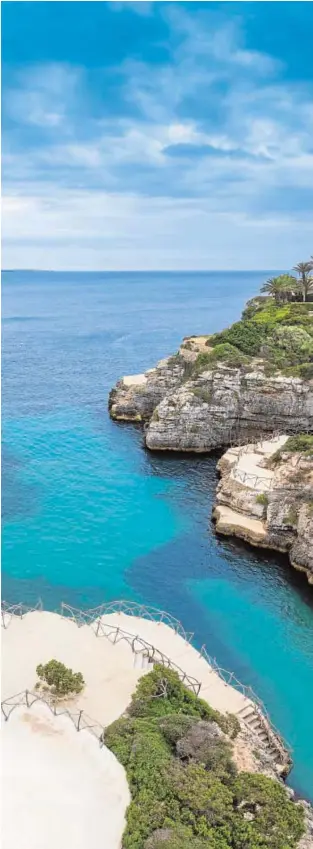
[[281, 335], [57, 678], [276, 327], [186, 793], [302, 443]]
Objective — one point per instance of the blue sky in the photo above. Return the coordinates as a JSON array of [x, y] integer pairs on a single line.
[[171, 135]]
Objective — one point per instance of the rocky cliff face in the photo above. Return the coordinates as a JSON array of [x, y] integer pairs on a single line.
[[265, 497], [187, 406], [191, 408]]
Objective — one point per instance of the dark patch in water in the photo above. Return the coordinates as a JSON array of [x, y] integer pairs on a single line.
[[19, 499]]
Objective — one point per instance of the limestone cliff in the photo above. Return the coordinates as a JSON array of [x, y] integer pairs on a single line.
[[189, 406], [265, 497], [244, 384]]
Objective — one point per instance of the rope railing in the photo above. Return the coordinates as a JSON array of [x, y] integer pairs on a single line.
[[133, 608], [229, 678], [9, 610], [27, 698], [237, 439], [254, 481], [266, 484], [138, 645]]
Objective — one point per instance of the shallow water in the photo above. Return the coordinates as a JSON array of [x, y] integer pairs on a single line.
[[90, 515]]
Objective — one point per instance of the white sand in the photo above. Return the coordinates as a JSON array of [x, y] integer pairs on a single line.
[[108, 670], [111, 671], [60, 790]]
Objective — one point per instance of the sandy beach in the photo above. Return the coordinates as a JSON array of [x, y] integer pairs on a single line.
[[59, 788]]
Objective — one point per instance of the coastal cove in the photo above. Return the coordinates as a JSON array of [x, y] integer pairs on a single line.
[[89, 515]]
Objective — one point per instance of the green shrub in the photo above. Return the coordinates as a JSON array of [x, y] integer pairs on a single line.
[[290, 345], [303, 442], [183, 783], [245, 335], [161, 693], [254, 305], [202, 362], [202, 793], [60, 680], [304, 370], [291, 518], [278, 823], [222, 352], [204, 395], [175, 726], [281, 334], [178, 837], [262, 498]]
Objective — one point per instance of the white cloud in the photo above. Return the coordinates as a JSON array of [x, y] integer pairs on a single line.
[[41, 96], [103, 192], [83, 230]]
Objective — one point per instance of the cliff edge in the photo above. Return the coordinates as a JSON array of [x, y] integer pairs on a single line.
[[265, 496], [252, 379]]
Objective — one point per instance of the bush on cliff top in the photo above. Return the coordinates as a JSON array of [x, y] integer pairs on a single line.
[[245, 335], [223, 352], [303, 442], [161, 693], [59, 679], [184, 795], [282, 335]]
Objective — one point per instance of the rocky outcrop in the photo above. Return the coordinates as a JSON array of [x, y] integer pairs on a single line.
[[265, 497], [190, 407], [135, 397], [187, 406]]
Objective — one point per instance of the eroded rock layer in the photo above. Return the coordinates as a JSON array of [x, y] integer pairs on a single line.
[[265, 496]]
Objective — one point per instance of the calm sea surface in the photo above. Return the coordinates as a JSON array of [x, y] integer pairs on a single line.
[[89, 515]]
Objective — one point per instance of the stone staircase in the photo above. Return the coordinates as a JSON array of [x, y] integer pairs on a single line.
[[141, 660], [257, 724]]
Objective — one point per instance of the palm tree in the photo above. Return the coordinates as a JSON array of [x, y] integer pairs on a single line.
[[303, 270], [281, 288]]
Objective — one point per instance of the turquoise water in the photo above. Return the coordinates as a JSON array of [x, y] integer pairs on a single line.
[[89, 515]]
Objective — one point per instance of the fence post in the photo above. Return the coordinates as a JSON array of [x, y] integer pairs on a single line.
[[79, 719], [6, 717], [26, 698], [116, 635], [98, 626]]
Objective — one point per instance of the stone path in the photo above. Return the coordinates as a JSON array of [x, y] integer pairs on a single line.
[[249, 466]]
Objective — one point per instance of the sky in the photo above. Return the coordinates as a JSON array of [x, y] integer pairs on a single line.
[[161, 135]]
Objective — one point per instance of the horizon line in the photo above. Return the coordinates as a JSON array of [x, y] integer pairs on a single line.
[[137, 270]]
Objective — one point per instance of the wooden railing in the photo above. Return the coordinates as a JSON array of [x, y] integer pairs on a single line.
[[272, 733], [133, 608], [9, 610], [79, 718], [138, 645]]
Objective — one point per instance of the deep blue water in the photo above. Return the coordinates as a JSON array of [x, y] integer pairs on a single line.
[[90, 515]]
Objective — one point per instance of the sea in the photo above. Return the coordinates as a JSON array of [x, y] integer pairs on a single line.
[[89, 515]]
